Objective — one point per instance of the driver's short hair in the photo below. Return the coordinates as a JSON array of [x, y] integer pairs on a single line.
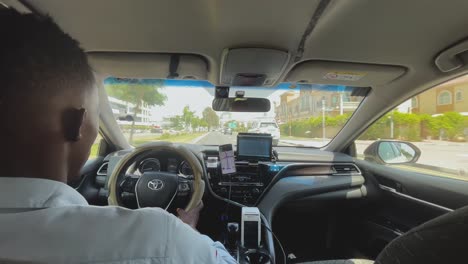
[[37, 57]]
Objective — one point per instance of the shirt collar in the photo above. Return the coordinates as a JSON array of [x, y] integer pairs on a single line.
[[37, 193]]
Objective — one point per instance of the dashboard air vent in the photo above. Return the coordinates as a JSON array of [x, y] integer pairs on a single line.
[[345, 169], [102, 171]]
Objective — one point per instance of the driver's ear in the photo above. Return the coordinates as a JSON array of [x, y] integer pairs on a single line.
[[72, 123]]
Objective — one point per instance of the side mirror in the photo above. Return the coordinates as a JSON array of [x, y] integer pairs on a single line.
[[392, 152]]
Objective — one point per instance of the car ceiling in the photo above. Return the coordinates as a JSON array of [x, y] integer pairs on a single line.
[[402, 33], [202, 27], [398, 32]]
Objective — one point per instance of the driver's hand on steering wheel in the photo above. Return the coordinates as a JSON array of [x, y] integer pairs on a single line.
[[190, 217]]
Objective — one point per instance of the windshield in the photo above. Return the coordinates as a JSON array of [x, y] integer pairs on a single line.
[[180, 111]]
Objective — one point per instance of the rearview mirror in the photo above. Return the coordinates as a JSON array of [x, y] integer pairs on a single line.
[[392, 152], [241, 104]]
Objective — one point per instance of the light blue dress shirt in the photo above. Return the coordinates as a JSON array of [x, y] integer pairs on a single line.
[[44, 221]]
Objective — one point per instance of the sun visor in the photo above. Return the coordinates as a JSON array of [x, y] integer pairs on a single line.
[[343, 73], [149, 65], [252, 66]]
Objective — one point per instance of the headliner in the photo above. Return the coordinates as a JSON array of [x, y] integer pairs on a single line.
[[408, 34]]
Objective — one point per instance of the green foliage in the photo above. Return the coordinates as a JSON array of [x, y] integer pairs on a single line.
[[187, 116], [137, 92], [197, 122], [190, 119], [450, 125], [241, 128], [380, 129], [184, 137], [165, 136], [177, 122], [415, 127], [312, 127], [407, 126], [210, 117]]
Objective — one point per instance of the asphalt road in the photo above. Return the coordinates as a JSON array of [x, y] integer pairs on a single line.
[[217, 138], [286, 151]]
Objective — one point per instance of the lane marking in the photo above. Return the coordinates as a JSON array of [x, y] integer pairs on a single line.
[[195, 141]]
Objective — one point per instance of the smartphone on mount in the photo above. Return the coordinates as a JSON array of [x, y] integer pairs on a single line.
[[227, 159]]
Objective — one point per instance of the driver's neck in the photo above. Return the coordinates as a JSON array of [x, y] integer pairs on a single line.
[[35, 162]]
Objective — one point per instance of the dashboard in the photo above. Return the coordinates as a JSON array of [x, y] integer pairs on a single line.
[[254, 183], [265, 184]]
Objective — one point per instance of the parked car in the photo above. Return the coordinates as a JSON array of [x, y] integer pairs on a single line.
[[227, 131], [157, 129], [267, 127]]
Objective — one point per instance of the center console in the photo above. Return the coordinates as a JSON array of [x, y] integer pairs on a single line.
[[244, 177], [246, 185]]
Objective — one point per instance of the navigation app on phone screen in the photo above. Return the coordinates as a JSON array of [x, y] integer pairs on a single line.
[[226, 156]]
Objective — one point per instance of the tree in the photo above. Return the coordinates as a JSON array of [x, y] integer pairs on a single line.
[[210, 117], [138, 92], [177, 122], [195, 122], [187, 116]]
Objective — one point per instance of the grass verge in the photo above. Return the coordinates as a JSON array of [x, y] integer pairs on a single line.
[[182, 138]]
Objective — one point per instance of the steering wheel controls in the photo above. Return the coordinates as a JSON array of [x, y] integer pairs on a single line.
[[128, 185]]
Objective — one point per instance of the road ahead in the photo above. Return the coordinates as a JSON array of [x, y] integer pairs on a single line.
[[217, 138]]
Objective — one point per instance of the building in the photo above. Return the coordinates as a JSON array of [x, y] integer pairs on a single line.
[[286, 107], [122, 109], [311, 103], [447, 97]]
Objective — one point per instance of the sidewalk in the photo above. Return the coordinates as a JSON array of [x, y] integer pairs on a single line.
[[318, 142], [315, 143]]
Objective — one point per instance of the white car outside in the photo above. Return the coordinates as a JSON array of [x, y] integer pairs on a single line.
[[267, 127]]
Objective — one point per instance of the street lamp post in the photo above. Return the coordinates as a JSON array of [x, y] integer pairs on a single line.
[[341, 103], [391, 126], [323, 119]]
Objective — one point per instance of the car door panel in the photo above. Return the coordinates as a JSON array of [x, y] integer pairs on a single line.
[[440, 191], [405, 200]]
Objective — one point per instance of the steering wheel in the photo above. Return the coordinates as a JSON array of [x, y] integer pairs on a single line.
[[157, 189]]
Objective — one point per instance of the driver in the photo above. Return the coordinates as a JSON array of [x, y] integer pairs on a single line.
[[50, 118]]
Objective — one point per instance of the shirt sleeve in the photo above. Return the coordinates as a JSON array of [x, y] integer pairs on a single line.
[[223, 254], [187, 245]]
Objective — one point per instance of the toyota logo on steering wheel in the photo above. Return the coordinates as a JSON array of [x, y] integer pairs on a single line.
[[155, 185]]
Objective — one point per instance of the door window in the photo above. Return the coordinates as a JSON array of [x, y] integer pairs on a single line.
[[433, 138]]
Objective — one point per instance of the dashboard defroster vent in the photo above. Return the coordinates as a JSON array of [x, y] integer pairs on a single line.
[[345, 169]]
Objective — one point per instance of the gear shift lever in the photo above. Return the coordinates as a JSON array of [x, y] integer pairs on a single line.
[[257, 256], [233, 235]]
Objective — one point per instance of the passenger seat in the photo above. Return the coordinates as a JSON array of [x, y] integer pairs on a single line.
[[441, 240]]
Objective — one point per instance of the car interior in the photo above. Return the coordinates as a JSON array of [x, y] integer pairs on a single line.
[[273, 203]]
